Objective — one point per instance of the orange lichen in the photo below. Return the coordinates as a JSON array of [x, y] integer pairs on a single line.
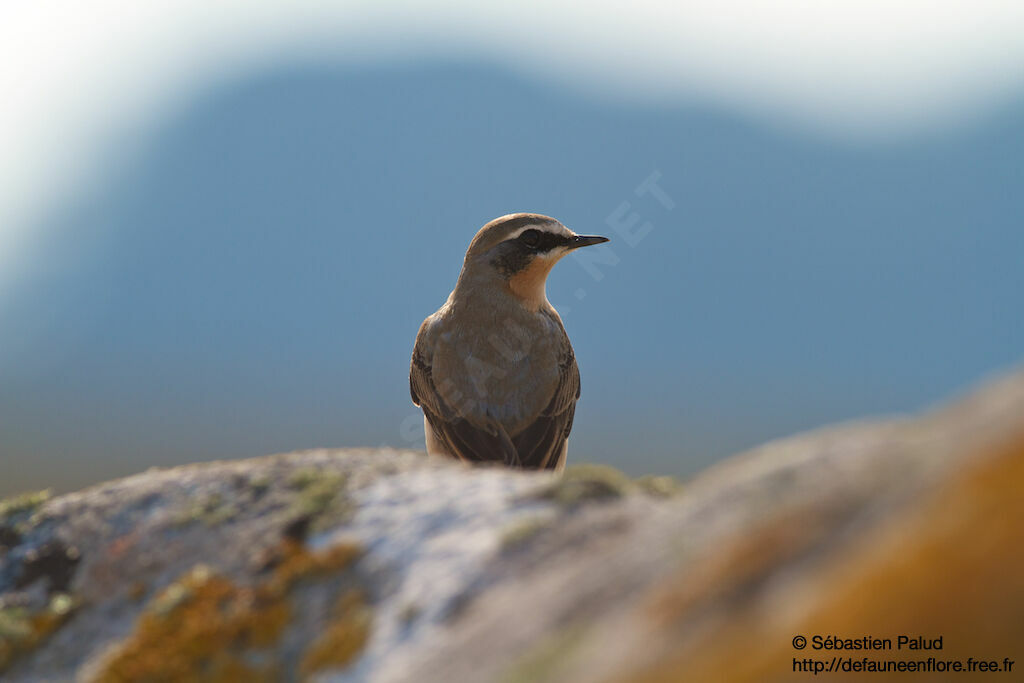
[[947, 567], [204, 627], [345, 637], [21, 631], [298, 563], [199, 628]]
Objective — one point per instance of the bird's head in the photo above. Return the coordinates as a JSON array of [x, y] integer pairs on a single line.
[[521, 249]]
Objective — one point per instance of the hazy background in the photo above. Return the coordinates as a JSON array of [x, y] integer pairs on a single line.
[[220, 228]]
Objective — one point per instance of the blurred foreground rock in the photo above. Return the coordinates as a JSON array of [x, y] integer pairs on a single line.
[[389, 566]]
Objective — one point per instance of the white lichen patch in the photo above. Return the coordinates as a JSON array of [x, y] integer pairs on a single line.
[[430, 536]]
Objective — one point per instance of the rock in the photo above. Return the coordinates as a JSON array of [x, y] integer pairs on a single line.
[[378, 565]]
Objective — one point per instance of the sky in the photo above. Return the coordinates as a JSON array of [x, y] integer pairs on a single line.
[[81, 82], [193, 204]]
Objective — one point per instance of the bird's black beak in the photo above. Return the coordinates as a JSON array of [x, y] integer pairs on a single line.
[[586, 241]]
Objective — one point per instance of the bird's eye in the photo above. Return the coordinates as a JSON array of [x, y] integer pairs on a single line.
[[531, 237]]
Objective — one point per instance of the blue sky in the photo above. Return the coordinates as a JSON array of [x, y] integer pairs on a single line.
[[242, 268]]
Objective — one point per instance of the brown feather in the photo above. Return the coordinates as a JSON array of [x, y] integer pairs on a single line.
[[493, 369], [540, 444]]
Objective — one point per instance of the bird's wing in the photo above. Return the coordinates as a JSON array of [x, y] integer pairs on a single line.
[[541, 444], [477, 439]]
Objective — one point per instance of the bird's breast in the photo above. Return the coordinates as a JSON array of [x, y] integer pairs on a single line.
[[506, 369]]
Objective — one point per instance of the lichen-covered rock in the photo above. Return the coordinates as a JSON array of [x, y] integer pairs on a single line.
[[386, 566]]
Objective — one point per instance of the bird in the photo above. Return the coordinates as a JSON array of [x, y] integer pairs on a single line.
[[492, 369]]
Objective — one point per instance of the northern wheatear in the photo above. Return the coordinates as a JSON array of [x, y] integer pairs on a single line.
[[493, 369]]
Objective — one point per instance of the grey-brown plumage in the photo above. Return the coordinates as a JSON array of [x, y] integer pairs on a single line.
[[493, 369]]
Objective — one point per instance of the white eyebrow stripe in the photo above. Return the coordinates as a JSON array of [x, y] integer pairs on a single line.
[[553, 228]]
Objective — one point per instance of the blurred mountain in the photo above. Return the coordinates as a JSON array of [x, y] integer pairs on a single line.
[[252, 278]]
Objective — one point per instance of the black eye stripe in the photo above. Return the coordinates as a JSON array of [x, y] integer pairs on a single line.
[[541, 240], [515, 254], [531, 237]]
